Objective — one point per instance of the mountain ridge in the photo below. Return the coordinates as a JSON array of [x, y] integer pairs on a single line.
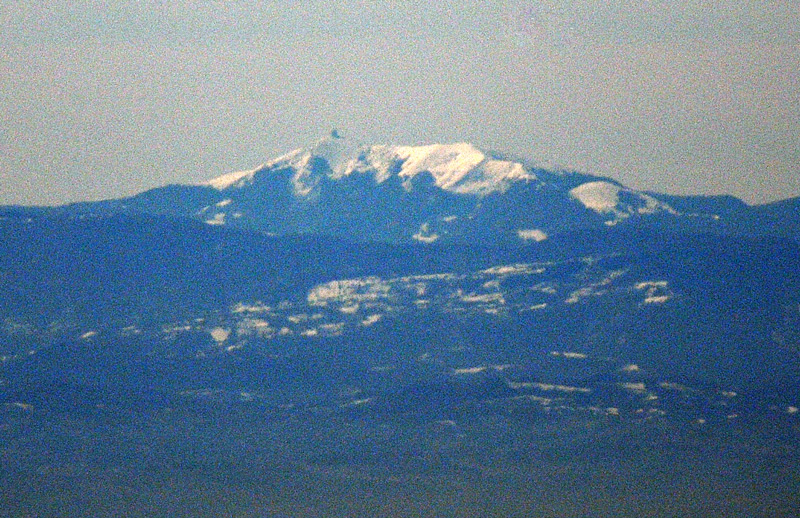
[[436, 192]]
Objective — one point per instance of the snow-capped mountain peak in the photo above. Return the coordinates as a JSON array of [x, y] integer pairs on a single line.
[[440, 192], [460, 168], [330, 148]]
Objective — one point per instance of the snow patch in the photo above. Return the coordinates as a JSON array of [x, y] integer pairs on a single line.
[[469, 370], [597, 196], [634, 387], [256, 326], [668, 385], [357, 402], [228, 180], [604, 198], [567, 354], [349, 310], [220, 334], [425, 235], [482, 368], [348, 291], [218, 219], [548, 387], [592, 290], [486, 298], [448, 163], [371, 319], [656, 292], [460, 168], [512, 269], [532, 234]]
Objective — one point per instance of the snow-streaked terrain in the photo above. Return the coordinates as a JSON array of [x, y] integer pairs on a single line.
[[150, 361]]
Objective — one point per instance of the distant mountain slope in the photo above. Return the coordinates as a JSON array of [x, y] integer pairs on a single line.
[[132, 267], [729, 215], [781, 218], [706, 305]]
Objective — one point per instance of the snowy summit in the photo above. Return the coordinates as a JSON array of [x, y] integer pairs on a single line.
[[422, 194], [460, 168]]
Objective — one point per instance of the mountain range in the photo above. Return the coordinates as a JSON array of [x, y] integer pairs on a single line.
[[451, 193], [400, 318], [335, 212]]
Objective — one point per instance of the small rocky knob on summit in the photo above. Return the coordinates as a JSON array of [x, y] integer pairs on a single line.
[[335, 133]]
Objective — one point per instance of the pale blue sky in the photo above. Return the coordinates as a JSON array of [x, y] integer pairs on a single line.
[[105, 99]]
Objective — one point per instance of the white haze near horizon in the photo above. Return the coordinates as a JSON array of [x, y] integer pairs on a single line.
[[102, 99]]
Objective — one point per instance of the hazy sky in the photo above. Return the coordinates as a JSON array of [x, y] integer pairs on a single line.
[[105, 99]]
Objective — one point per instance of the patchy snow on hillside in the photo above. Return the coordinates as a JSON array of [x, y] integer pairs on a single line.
[[606, 198], [598, 196], [656, 292]]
